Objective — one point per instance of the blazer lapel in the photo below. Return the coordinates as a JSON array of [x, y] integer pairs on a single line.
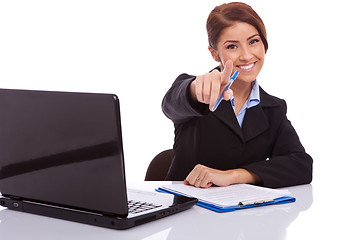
[[255, 122], [225, 113]]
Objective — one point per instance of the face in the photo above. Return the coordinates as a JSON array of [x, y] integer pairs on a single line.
[[241, 43]]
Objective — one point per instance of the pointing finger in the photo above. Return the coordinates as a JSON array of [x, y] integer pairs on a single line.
[[225, 76]]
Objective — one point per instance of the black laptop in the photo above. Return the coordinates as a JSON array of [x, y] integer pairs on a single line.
[[61, 155]]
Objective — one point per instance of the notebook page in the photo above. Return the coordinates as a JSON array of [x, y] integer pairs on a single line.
[[227, 196]]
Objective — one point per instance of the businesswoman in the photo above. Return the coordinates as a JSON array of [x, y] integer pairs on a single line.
[[248, 138]]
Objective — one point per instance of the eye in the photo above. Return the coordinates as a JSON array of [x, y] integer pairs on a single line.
[[231, 46], [253, 41]]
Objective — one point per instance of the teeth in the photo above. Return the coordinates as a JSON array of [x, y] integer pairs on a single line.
[[247, 67]]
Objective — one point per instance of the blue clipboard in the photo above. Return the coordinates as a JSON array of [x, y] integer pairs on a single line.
[[281, 200]]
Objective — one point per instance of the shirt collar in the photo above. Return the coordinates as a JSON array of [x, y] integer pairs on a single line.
[[254, 97]]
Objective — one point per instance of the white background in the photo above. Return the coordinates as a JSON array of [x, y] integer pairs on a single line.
[[136, 49]]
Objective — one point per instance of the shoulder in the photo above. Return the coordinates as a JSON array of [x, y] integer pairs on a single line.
[[185, 77], [267, 100]]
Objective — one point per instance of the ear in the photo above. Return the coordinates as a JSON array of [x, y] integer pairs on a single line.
[[214, 54]]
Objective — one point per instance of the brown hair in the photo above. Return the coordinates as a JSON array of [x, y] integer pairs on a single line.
[[225, 15]]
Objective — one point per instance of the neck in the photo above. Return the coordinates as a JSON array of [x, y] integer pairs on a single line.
[[241, 89]]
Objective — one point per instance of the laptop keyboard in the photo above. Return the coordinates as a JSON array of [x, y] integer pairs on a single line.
[[137, 206]]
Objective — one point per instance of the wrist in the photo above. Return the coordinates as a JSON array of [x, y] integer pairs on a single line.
[[244, 176], [193, 90]]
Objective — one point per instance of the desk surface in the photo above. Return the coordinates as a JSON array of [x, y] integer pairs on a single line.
[[304, 219]]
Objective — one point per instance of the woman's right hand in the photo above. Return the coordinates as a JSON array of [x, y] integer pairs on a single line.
[[207, 88]]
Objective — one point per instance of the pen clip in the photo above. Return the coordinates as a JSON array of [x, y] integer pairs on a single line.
[[232, 79]]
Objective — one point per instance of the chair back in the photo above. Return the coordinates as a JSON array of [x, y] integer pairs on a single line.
[[159, 166]]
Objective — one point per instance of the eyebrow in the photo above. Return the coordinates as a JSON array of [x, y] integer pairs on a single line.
[[235, 41], [253, 36]]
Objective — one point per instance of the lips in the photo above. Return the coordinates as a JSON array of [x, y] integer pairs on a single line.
[[247, 67]]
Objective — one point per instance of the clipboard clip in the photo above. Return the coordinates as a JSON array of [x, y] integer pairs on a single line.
[[254, 202]]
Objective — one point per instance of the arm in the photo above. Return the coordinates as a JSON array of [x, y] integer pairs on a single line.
[[288, 164], [178, 104], [191, 96]]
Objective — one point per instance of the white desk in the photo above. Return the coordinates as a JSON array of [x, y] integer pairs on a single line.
[[288, 221]]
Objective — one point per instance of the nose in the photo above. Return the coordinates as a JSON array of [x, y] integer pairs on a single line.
[[245, 54]]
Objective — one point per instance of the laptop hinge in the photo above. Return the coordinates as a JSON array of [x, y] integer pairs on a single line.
[[12, 197]]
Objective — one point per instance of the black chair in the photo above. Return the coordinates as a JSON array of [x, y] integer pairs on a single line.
[[159, 166]]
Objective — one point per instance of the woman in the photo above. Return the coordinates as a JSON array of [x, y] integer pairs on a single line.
[[248, 138]]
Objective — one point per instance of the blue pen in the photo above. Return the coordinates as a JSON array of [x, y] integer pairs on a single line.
[[232, 79]]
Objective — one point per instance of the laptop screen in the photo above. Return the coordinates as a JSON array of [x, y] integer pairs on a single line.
[[62, 148]]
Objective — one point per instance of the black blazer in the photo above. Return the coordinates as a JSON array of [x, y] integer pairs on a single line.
[[266, 144]]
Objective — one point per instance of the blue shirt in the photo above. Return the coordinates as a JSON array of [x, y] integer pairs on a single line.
[[253, 100]]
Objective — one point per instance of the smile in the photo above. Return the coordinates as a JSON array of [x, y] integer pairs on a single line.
[[246, 68]]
